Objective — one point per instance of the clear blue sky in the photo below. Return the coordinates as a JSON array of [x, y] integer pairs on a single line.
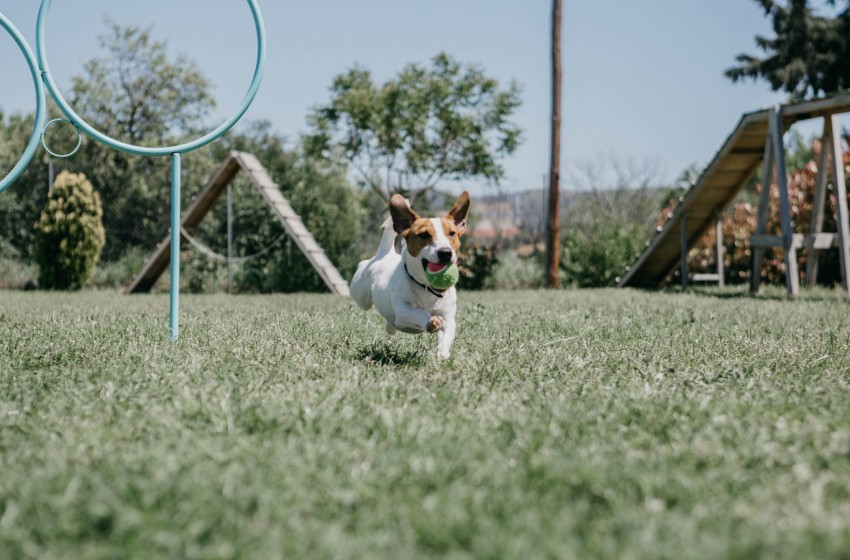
[[642, 78]]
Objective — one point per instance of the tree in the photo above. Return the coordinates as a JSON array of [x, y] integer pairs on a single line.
[[607, 223], [448, 121], [22, 203], [318, 191], [135, 93], [809, 55], [138, 93]]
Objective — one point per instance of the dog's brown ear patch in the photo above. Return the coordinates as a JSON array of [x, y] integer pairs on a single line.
[[459, 211], [420, 234], [403, 216]]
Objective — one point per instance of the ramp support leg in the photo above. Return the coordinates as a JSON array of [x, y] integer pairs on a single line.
[[840, 202], [819, 204], [761, 220], [229, 240], [718, 239], [792, 276]]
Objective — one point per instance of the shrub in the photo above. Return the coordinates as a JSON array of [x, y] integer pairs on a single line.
[[595, 258], [476, 263], [119, 273], [69, 233], [517, 273], [604, 228]]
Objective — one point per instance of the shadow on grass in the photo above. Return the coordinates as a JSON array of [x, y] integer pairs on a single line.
[[384, 353]]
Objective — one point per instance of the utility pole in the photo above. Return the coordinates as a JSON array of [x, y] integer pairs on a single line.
[[553, 226]]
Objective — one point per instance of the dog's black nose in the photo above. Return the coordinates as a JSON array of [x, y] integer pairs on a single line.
[[445, 255]]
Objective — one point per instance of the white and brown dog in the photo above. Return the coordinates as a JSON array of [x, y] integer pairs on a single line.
[[394, 279]]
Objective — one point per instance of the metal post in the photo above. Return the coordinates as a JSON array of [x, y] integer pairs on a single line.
[[229, 240], [718, 238], [684, 222], [174, 308], [51, 178]]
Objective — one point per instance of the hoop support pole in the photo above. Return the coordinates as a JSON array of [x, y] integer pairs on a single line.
[[174, 288]]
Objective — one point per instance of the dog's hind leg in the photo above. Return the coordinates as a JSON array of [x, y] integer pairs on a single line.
[[361, 285]]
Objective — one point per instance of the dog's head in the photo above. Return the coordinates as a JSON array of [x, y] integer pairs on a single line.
[[432, 240]]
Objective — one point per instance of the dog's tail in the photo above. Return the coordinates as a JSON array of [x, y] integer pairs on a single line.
[[387, 239]]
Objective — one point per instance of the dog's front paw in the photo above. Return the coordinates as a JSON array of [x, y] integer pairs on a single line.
[[435, 323]]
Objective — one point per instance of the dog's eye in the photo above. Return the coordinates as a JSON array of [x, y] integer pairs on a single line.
[[452, 234], [424, 235]]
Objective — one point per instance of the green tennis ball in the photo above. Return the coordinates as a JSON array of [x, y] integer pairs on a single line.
[[444, 279]]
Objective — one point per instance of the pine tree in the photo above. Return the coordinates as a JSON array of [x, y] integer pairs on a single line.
[[809, 55]]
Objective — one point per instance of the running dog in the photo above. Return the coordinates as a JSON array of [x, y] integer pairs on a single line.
[[394, 279]]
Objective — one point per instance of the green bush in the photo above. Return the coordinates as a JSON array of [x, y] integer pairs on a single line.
[[597, 257], [516, 273], [476, 263], [69, 234], [119, 273]]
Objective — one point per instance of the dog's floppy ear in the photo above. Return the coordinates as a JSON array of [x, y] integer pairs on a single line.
[[459, 211], [403, 216]]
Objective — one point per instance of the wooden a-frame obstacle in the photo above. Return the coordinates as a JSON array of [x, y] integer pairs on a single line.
[[756, 141], [203, 203]]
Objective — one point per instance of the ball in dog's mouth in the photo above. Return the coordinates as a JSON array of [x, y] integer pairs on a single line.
[[441, 276], [432, 267]]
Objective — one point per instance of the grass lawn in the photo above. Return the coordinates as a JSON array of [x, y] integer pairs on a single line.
[[578, 424]]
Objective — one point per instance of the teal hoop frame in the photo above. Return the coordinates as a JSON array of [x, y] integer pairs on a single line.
[[40, 105], [38, 65], [51, 152], [41, 53]]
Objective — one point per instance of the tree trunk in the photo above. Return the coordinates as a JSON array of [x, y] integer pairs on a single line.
[[553, 226]]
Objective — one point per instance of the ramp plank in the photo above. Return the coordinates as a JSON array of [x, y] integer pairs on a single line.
[[733, 165], [204, 202]]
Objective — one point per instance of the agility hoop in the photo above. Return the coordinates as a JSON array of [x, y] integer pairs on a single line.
[[43, 80], [40, 105], [55, 154], [50, 84]]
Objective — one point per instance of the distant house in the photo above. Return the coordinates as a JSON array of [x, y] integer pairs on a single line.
[[505, 216], [494, 219]]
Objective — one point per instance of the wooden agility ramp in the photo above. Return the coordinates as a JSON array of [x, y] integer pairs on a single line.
[[755, 141], [204, 202]]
